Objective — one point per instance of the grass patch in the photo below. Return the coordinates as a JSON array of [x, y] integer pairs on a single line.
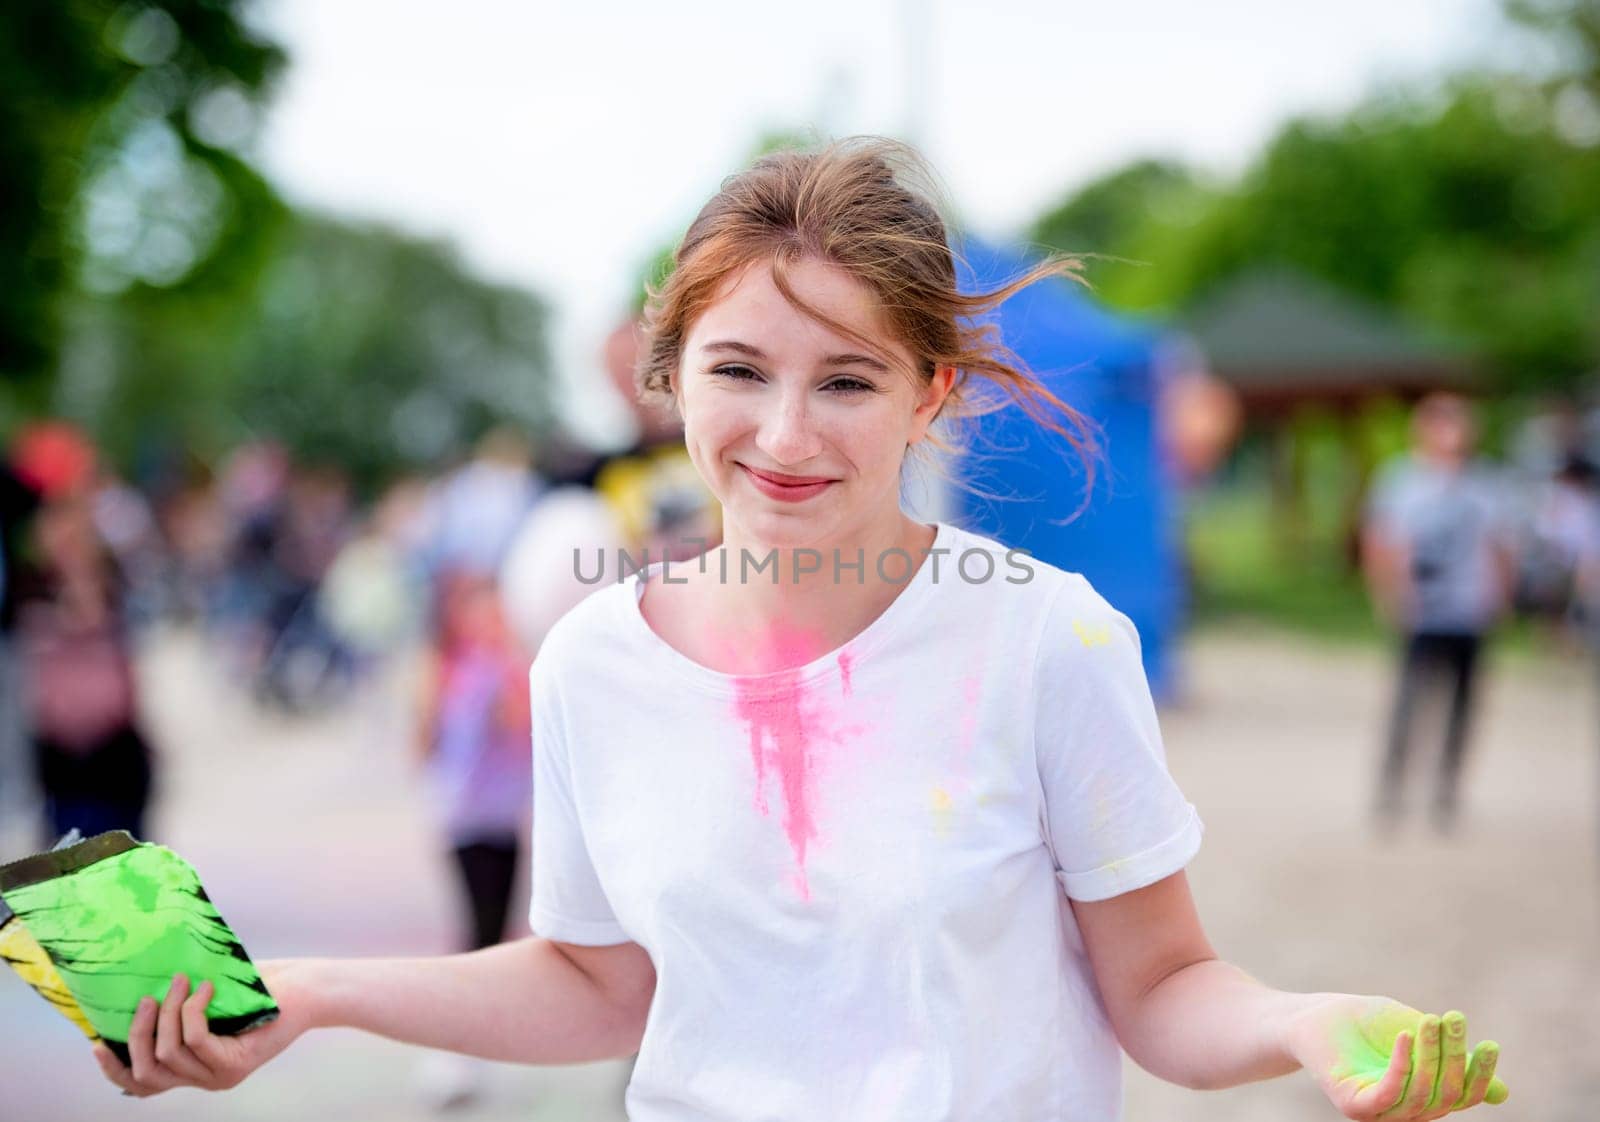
[[1243, 569]]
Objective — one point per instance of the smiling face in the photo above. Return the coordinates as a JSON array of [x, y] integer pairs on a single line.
[[799, 431]]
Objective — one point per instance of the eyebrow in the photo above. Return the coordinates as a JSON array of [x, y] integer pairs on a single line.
[[832, 360]]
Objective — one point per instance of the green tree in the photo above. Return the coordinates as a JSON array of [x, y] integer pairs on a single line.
[[356, 346], [1122, 222], [120, 137], [1464, 207]]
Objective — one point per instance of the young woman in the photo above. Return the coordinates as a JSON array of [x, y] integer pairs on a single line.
[[852, 817]]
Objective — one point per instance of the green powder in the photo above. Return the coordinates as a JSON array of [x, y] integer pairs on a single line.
[[118, 919]]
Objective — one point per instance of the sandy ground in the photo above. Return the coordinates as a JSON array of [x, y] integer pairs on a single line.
[[310, 840]]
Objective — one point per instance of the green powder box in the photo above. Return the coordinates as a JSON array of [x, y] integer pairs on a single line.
[[95, 925]]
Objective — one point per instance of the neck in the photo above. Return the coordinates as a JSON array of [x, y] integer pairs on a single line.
[[797, 601], [1447, 461]]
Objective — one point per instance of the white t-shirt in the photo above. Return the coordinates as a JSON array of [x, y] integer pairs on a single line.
[[852, 876]]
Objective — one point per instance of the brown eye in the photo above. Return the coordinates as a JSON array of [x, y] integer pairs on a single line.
[[736, 372], [850, 385]]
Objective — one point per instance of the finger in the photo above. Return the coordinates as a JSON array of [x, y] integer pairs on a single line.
[[171, 1051], [1452, 1064], [147, 1070], [1424, 1071], [113, 1070], [1498, 1093], [1386, 1091], [1479, 1072], [197, 1034], [167, 1018]]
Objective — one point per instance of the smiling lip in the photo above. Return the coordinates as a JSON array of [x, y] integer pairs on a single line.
[[787, 480], [779, 487]]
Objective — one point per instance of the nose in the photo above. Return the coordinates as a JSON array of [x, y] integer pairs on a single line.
[[787, 431]]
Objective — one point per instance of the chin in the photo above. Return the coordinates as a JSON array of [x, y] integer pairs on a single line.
[[777, 528]]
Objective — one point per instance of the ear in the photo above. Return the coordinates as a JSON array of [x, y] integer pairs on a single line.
[[933, 398]]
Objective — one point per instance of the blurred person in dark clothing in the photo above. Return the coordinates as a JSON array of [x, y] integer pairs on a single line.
[[304, 660], [244, 509], [1440, 568], [17, 792], [95, 766]]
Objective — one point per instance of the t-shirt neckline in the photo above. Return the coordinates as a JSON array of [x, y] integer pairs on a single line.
[[865, 641]]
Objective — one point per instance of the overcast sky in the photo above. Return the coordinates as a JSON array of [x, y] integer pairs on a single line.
[[559, 145]]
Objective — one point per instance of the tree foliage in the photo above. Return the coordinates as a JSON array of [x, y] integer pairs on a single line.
[[1472, 207], [356, 346], [162, 294], [1125, 221], [122, 123]]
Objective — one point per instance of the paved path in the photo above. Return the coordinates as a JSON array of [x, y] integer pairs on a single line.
[[1275, 748]]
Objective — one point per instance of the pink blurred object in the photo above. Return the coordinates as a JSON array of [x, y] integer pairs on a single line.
[[53, 458]]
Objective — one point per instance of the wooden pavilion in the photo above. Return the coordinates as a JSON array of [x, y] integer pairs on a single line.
[[1289, 345]]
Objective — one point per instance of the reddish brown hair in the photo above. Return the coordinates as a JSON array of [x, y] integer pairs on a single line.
[[865, 205]]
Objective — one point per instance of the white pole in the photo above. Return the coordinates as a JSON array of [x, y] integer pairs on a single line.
[[917, 18]]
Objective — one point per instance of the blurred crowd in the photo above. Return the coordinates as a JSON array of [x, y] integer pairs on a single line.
[[302, 588]]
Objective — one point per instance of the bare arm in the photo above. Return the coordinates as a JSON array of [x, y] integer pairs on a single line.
[[1188, 1017], [1386, 565], [529, 1001], [1180, 1012]]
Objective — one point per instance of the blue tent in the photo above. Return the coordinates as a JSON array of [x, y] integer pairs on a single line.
[[1104, 366]]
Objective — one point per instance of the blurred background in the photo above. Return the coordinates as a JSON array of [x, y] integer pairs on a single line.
[[316, 331]]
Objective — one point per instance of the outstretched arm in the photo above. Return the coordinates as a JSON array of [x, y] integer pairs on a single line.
[[529, 1001], [1188, 1017]]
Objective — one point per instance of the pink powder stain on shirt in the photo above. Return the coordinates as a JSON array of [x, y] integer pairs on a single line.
[[845, 662], [788, 725], [780, 742]]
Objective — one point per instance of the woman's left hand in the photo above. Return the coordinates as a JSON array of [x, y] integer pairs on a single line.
[[1378, 1059]]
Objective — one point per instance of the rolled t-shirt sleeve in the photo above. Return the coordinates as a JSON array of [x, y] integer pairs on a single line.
[[1114, 818], [567, 902]]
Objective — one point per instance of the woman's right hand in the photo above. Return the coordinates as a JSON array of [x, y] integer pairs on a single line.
[[172, 1045], [1377, 1058]]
